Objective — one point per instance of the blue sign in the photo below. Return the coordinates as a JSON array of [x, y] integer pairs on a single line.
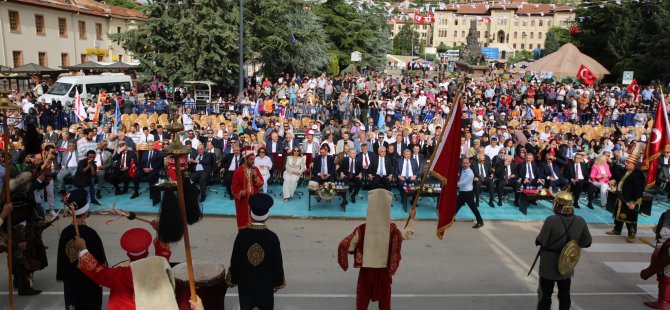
[[490, 52]]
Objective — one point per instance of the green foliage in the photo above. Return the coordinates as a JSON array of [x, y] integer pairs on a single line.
[[351, 30], [442, 48], [123, 3], [550, 43], [333, 65], [271, 25], [185, 40], [402, 43], [637, 41]]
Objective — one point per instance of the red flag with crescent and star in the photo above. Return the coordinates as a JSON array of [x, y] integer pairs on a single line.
[[445, 168], [634, 89], [657, 142], [586, 75]]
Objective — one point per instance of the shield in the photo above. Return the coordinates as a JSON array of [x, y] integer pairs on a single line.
[[569, 258]]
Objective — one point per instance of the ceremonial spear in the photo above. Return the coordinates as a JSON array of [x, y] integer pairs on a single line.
[[6, 106]]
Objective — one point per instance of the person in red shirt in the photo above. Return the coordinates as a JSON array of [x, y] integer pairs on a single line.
[[122, 280]]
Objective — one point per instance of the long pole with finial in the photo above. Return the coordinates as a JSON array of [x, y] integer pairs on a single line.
[[177, 151], [5, 107]]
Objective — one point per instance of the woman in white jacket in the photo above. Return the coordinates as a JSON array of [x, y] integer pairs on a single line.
[[295, 166]]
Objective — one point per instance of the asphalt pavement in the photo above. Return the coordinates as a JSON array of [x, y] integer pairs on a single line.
[[469, 269]]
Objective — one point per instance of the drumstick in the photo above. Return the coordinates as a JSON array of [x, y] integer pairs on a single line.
[[647, 242], [74, 221]]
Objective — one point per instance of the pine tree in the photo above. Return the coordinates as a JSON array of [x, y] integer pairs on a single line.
[[185, 40], [550, 43]]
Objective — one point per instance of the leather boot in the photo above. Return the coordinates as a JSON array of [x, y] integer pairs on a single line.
[[663, 294]]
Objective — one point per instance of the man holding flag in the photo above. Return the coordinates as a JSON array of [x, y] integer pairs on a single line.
[[659, 139]]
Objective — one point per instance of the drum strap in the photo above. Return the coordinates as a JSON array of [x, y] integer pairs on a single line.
[[546, 248]]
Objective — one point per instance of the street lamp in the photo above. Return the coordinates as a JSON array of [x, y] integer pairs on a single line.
[[241, 77]]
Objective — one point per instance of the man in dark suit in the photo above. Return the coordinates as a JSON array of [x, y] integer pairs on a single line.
[[365, 158], [400, 146], [104, 136], [290, 142], [122, 160], [481, 167], [226, 144], [129, 143], [150, 167], [406, 171], [419, 158], [578, 175], [61, 145], [380, 170], [505, 173], [50, 135], [201, 168], [210, 137], [86, 171], [274, 145], [528, 173], [229, 163], [323, 169], [161, 134], [569, 151], [351, 172], [550, 172]]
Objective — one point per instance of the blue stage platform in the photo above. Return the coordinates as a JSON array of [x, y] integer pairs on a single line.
[[221, 204]]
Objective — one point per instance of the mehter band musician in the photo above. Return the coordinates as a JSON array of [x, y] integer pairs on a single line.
[[629, 191], [256, 265], [247, 180], [376, 248]]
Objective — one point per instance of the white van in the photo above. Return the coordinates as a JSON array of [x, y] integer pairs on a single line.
[[89, 86]]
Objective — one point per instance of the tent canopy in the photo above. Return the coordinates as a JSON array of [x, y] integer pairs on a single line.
[[34, 69], [566, 61]]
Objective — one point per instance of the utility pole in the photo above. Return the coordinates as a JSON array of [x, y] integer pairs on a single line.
[[241, 82]]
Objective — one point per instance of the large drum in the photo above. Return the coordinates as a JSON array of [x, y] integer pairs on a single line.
[[210, 285]]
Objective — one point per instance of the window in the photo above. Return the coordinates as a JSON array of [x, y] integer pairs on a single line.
[[98, 31], [522, 46], [539, 46], [42, 59], [64, 59], [62, 27], [120, 58], [516, 22], [523, 35], [455, 34], [424, 27], [118, 29], [463, 34], [479, 34], [83, 58], [515, 34], [530, 46], [549, 23], [455, 22], [18, 58], [539, 35], [101, 58], [523, 23], [531, 35], [541, 22], [514, 46], [14, 21], [39, 24], [82, 29], [532, 23]]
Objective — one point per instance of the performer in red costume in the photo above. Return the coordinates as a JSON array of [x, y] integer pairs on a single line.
[[143, 283], [247, 180], [376, 248]]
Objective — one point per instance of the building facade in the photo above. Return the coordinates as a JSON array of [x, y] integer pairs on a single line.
[[62, 33], [516, 27]]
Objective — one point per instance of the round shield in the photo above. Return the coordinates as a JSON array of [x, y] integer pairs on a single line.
[[569, 258]]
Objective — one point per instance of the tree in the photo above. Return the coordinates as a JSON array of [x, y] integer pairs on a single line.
[[286, 36], [349, 29], [185, 40], [638, 41], [442, 48], [402, 43], [550, 43], [123, 3]]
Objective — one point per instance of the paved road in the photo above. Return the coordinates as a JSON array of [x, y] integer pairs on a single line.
[[469, 269]]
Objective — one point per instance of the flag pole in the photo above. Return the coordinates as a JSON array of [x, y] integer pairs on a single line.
[[418, 191]]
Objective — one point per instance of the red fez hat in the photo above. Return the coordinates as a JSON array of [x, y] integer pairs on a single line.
[[136, 243]]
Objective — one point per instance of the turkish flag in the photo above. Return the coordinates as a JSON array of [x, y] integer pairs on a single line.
[[657, 142], [445, 168], [585, 75], [132, 171], [634, 88], [418, 18], [430, 18]]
